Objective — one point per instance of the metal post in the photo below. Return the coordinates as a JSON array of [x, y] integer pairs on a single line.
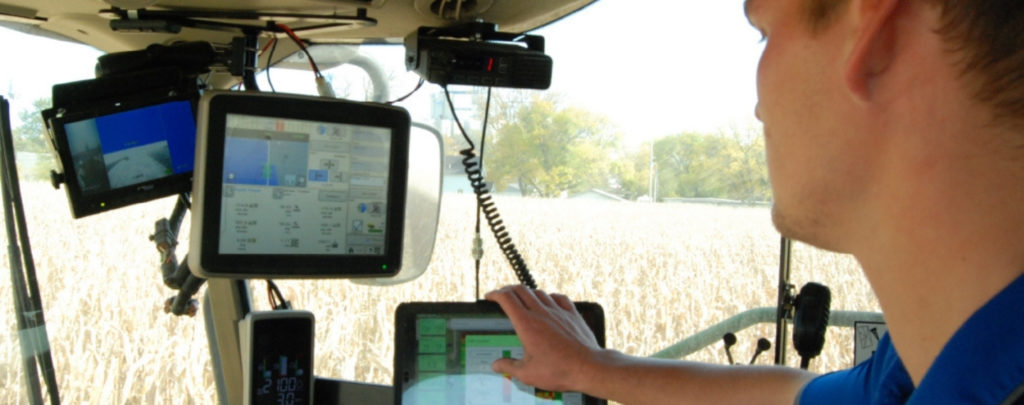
[[226, 302], [784, 302]]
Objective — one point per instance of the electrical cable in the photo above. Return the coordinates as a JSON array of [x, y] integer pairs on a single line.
[[274, 292], [270, 59], [401, 99], [485, 203], [302, 46], [477, 242], [270, 296]]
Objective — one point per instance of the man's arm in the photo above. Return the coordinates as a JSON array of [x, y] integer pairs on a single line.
[[561, 354]]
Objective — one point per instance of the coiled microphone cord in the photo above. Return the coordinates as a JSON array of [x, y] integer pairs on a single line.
[[485, 204]]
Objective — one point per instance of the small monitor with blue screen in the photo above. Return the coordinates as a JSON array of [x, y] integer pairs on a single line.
[[117, 154]]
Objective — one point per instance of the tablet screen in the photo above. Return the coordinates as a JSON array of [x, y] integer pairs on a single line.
[[298, 187], [316, 187], [445, 352]]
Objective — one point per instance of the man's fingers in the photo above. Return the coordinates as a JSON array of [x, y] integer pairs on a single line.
[[527, 296], [507, 366], [564, 302], [506, 297], [544, 298]]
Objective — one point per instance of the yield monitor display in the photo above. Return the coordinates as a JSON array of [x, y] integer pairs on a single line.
[[299, 187], [119, 152]]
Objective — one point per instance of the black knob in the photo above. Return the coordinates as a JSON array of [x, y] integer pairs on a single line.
[[729, 339], [762, 346], [56, 179]]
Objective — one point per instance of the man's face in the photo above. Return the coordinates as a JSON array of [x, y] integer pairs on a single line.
[[817, 154]]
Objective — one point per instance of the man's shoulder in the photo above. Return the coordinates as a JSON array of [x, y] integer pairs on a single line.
[[882, 379]]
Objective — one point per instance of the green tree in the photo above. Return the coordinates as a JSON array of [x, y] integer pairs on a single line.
[[548, 149], [30, 135], [729, 164], [36, 158], [746, 170], [632, 172]]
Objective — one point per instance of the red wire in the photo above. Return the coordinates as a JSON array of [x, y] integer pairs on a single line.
[[302, 46], [267, 46]]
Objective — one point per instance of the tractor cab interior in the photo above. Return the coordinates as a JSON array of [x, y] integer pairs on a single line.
[[332, 154]]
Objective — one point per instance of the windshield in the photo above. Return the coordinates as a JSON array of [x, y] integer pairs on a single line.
[[637, 181]]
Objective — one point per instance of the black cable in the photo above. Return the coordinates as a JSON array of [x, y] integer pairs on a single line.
[[483, 144], [165, 236], [275, 292], [302, 46], [409, 94], [270, 60], [479, 207], [270, 296], [486, 205]]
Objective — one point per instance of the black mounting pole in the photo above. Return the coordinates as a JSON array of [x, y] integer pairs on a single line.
[[35, 343], [249, 60], [784, 302]]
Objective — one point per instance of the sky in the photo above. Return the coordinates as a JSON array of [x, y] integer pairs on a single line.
[[659, 66], [654, 67]]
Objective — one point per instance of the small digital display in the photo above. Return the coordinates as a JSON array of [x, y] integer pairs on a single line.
[[116, 152], [295, 186], [282, 370], [132, 147], [444, 352]]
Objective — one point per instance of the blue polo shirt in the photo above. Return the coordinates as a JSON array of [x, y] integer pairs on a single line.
[[982, 364]]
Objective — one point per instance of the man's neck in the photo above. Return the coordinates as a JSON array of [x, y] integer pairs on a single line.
[[945, 247]]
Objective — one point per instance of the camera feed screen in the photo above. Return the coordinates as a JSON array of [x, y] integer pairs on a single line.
[[294, 186], [132, 147]]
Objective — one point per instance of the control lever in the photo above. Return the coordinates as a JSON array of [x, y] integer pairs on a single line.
[[763, 345], [730, 340]]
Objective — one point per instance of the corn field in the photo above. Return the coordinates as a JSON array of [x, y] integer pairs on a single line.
[[662, 272]]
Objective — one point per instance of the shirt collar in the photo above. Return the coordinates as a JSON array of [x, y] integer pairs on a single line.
[[984, 361]]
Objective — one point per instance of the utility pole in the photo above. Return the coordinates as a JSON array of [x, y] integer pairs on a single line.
[[653, 179]]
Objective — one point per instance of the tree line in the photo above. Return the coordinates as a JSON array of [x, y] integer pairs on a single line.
[[541, 147]]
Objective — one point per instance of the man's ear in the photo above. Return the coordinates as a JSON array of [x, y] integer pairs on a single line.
[[873, 44]]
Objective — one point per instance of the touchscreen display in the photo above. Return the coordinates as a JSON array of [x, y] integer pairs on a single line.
[[132, 147], [293, 186], [453, 364]]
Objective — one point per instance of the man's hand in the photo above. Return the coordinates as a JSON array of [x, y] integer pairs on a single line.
[[558, 345]]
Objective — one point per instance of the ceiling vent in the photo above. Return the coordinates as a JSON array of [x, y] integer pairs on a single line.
[[453, 10]]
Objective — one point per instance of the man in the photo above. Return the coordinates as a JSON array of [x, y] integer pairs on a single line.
[[894, 131]]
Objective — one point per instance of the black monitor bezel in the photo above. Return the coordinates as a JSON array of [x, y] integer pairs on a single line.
[[84, 204], [214, 110]]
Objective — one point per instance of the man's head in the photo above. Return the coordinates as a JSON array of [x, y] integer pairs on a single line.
[[986, 35], [859, 96]]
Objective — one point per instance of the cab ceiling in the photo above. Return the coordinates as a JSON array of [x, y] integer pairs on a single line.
[[391, 20]]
